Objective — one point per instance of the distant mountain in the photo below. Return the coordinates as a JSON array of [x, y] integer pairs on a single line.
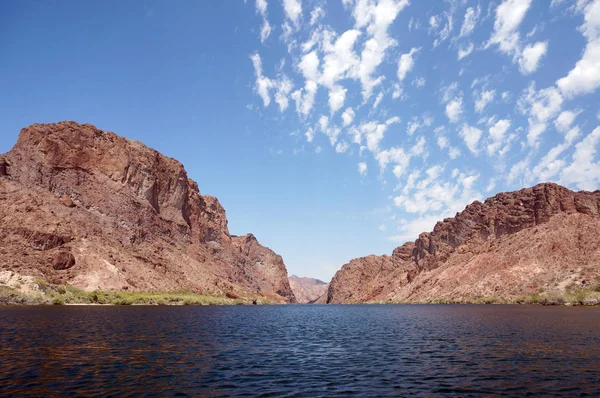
[[308, 290], [89, 208], [536, 240]]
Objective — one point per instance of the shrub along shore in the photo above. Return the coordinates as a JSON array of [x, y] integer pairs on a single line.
[[48, 294]]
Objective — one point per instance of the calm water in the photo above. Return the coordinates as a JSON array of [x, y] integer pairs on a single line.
[[300, 350]]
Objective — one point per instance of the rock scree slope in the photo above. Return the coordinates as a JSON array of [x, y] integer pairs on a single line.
[[536, 240], [89, 208]]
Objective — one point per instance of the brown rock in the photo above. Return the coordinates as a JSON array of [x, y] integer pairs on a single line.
[[3, 166], [63, 259], [514, 243], [67, 201], [131, 201]]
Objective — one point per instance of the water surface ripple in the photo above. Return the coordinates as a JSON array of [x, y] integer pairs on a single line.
[[300, 351]]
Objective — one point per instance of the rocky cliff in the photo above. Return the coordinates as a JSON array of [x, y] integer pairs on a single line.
[[308, 290], [535, 240], [86, 207]]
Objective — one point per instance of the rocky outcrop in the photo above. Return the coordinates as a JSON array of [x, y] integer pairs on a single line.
[[308, 290], [534, 240], [127, 216]]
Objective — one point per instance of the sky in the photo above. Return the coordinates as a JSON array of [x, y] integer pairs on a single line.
[[329, 129]]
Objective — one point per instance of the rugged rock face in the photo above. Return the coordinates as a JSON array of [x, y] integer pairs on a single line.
[[534, 240], [83, 206], [308, 290]]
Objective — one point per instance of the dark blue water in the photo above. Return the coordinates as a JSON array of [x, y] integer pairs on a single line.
[[302, 350]]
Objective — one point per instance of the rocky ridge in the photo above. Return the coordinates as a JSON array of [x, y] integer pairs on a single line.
[[308, 290], [535, 240], [89, 208]]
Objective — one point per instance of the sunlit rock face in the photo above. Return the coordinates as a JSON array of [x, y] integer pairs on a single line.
[[535, 240], [90, 208]]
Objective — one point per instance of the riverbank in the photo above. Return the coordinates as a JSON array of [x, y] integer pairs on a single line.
[[67, 295], [578, 297]]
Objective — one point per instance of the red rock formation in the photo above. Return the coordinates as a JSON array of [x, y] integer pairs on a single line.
[[129, 217], [308, 290], [534, 240]]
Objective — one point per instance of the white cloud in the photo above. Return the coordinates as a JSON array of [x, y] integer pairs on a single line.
[[342, 147], [283, 87], [509, 16], [323, 122], [583, 172], [374, 132], [305, 97], [519, 169], [412, 126], [498, 130], [378, 100], [316, 14], [419, 148], [471, 17], [406, 63], [442, 141], [419, 82], [310, 134], [484, 98], [465, 51], [362, 168], [263, 84], [410, 231], [396, 156], [471, 135], [454, 153], [531, 56], [347, 116], [454, 109], [442, 32], [337, 96], [293, 11], [450, 92], [584, 78], [339, 56], [376, 17], [550, 166], [497, 134], [398, 91], [540, 106], [434, 22], [432, 194], [265, 30], [564, 120]]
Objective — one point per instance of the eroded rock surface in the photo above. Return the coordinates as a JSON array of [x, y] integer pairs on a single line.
[[534, 240], [127, 216]]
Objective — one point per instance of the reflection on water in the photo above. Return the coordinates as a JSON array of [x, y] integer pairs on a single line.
[[300, 350]]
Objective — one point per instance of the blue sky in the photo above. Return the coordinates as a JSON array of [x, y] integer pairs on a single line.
[[329, 129]]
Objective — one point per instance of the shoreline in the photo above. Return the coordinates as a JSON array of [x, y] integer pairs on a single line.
[[46, 294], [43, 293]]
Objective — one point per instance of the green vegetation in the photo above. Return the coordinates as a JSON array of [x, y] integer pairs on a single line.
[[571, 296], [61, 295]]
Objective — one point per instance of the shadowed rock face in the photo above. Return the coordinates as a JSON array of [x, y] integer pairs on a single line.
[[129, 216], [534, 240], [308, 290]]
